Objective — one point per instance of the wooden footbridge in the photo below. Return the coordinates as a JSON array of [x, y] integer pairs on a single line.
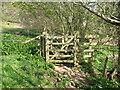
[[64, 49]]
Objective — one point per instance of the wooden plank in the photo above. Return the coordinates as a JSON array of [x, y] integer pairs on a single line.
[[62, 43], [92, 43], [61, 61], [59, 50], [47, 49], [87, 56], [32, 39], [67, 43], [51, 37], [61, 55], [88, 50], [75, 50], [86, 44], [69, 40], [87, 61]]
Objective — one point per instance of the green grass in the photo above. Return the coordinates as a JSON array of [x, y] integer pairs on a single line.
[[11, 46], [99, 82], [21, 31], [100, 56], [21, 65]]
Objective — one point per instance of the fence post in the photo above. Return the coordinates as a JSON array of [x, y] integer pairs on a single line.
[[75, 51], [105, 67], [46, 49]]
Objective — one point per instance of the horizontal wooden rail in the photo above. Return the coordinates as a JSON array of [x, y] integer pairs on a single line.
[[87, 56], [61, 61], [89, 50], [58, 50], [70, 61], [87, 61], [93, 43], [52, 37], [61, 43], [61, 55]]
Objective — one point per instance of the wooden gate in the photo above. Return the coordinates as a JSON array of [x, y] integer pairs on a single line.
[[65, 49], [60, 49]]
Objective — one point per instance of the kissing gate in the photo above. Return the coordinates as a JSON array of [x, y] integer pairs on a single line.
[[59, 49], [64, 49]]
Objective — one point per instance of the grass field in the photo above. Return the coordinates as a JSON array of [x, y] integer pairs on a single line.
[[23, 68]]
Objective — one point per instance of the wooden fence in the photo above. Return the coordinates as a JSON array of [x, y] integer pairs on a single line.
[[64, 49]]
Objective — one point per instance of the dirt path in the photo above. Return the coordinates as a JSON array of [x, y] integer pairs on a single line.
[[73, 74]]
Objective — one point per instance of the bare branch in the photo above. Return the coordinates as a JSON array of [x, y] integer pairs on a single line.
[[107, 19]]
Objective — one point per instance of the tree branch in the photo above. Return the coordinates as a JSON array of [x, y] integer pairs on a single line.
[[107, 19]]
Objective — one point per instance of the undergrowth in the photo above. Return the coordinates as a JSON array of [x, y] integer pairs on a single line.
[[21, 67]]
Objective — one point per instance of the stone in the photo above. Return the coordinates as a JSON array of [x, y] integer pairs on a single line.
[[59, 79], [72, 83], [65, 73], [66, 68], [73, 74]]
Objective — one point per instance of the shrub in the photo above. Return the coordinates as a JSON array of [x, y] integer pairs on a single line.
[[101, 83]]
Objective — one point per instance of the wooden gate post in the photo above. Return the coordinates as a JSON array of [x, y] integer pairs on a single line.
[[75, 51], [46, 49]]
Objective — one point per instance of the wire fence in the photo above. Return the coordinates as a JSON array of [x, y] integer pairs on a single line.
[[13, 40]]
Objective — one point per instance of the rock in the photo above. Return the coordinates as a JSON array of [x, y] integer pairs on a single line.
[[66, 68], [65, 73], [59, 79], [77, 71], [72, 83], [73, 74]]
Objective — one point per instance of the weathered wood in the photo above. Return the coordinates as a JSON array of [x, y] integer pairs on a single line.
[[59, 50], [89, 50], [87, 56], [47, 46], [63, 40], [75, 51], [105, 67], [31, 39], [52, 37], [60, 55], [92, 43], [47, 49], [61, 61], [66, 45], [69, 40], [62, 43]]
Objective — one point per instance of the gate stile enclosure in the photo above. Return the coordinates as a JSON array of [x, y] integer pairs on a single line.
[[59, 49], [65, 49]]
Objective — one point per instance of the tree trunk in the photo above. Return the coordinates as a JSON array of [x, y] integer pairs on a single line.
[[118, 69]]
